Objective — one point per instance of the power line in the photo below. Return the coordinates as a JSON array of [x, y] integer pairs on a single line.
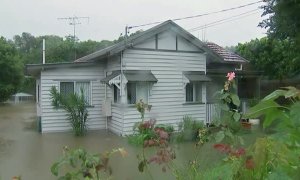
[[221, 21], [199, 15]]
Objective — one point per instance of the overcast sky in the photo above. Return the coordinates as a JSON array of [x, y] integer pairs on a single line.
[[109, 18]]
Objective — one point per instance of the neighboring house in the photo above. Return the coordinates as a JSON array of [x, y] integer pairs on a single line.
[[166, 66]]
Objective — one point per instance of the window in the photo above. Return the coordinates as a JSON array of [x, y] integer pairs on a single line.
[[193, 92], [116, 94], [131, 93], [86, 90], [67, 88], [137, 91]]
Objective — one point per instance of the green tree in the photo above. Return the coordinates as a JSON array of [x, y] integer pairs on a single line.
[[11, 70], [276, 58], [283, 19]]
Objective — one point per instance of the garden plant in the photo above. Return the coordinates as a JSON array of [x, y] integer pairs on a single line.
[[76, 107], [79, 164]]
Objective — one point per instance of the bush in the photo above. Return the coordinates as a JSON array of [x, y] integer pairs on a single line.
[[76, 106], [146, 130], [81, 164], [168, 128], [189, 129]]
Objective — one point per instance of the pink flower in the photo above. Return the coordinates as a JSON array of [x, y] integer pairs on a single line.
[[231, 76]]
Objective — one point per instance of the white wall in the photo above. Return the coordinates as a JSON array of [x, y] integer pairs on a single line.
[[55, 120], [167, 95]]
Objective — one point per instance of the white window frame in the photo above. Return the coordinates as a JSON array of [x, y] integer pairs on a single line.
[[74, 87], [136, 89], [118, 94], [194, 92]]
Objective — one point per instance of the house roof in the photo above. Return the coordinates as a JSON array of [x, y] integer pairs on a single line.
[[214, 52], [34, 69], [196, 76], [132, 75], [140, 37], [227, 56]]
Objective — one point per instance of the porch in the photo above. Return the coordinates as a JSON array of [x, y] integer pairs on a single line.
[[213, 111]]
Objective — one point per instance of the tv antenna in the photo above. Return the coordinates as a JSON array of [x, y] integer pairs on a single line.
[[74, 21]]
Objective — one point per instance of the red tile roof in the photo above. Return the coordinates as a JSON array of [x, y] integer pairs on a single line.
[[225, 54]]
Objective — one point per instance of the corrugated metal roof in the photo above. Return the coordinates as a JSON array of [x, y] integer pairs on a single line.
[[225, 54], [133, 75], [196, 76], [145, 76]]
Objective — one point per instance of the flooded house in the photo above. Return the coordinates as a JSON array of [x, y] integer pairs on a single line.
[[165, 66]]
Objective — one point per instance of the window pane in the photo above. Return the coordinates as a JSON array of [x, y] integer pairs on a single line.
[[198, 89], [66, 88], [142, 91], [116, 94], [131, 93], [189, 92], [85, 87]]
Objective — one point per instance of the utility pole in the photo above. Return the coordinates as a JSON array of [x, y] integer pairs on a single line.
[[73, 21]]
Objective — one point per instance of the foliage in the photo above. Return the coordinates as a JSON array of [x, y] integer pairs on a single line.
[[142, 107], [280, 49], [285, 113], [58, 49], [142, 131], [168, 128], [277, 155], [11, 73], [229, 124], [282, 55], [79, 164], [189, 129], [27, 85], [76, 108], [264, 157], [150, 136], [283, 19]]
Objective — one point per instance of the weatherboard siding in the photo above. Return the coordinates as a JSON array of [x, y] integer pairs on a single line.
[[56, 119], [167, 96], [115, 122]]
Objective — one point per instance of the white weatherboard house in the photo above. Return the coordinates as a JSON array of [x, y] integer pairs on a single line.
[[166, 66]]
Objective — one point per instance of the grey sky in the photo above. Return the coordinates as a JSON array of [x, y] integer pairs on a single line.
[[109, 18]]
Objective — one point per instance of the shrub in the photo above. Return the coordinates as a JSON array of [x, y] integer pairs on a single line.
[[76, 107], [83, 165], [189, 129]]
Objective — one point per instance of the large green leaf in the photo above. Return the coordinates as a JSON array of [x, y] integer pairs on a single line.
[[224, 107], [224, 95], [272, 115], [236, 116], [275, 95], [54, 168], [262, 108], [271, 111], [235, 99], [292, 92], [220, 136], [295, 114]]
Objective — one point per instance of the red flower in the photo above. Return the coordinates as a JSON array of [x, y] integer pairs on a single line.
[[223, 148], [250, 163], [161, 133], [239, 152]]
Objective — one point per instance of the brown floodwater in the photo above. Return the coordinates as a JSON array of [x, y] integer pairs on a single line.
[[25, 152]]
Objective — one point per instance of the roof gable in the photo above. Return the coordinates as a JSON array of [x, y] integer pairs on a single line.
[[144, 36]]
